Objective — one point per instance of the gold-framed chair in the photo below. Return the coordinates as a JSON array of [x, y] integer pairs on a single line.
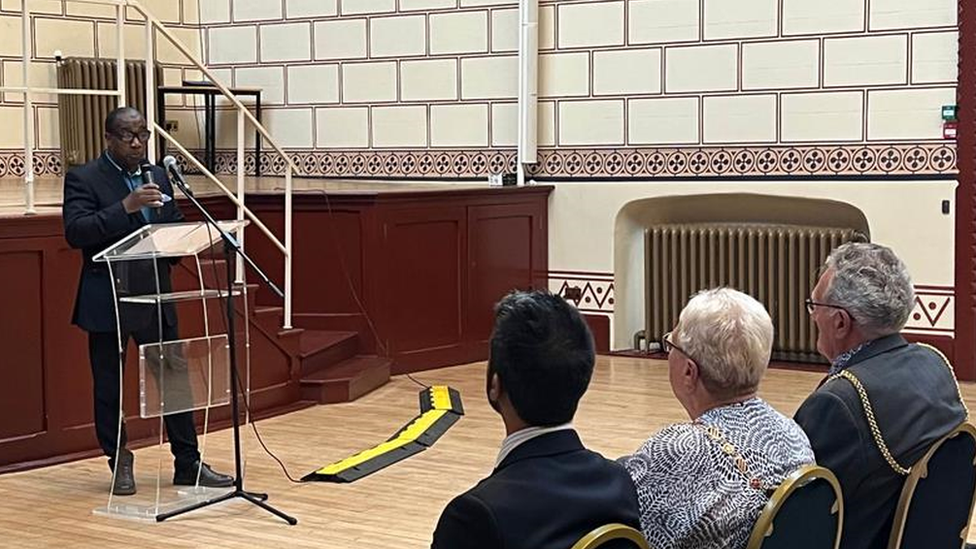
[[936, 502], [805, 512], [612, 532]]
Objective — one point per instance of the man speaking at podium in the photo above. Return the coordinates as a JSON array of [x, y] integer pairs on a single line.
[[105, 200]]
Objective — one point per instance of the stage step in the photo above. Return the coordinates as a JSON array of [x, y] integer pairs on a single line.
[[268, 320], [319, 349], [346, 381]]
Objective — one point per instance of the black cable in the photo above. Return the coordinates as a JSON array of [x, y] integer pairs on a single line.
[[240, 387], [254, 427], [352, 288]]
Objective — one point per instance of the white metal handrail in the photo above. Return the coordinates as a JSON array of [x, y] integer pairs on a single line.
[[220, 185], [243, 116]]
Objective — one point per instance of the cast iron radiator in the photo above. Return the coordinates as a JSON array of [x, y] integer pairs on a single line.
[[776, 264], [82, 116]]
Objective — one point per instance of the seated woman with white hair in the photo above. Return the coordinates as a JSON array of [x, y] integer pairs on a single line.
[[703, 483]]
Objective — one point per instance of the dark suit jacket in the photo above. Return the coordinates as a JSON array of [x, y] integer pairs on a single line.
[[94, 219], [547, 494], [915, 402]]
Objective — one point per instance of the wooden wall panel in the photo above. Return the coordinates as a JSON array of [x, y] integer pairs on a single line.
[[500, 259], [423, 288], [418, 261], [334, 239], [45, 376], [22, 399]]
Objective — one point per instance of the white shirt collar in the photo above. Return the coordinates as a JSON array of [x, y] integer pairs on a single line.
[[137, 173], [518, 438]]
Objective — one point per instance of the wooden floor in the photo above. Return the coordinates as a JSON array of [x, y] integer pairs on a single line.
[[628, 400]]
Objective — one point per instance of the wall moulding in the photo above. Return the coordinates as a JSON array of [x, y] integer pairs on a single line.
[[883, 159]]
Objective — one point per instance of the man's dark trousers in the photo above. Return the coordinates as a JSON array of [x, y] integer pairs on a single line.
[[104, 359]]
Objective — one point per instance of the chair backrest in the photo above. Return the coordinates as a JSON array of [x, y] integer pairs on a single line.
[[805, 512], [612, 532], [936, 502]]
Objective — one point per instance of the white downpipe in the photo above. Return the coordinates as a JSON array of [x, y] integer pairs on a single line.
[[28, 114], [528, 92], [150, 92], [288, 248], [239, 278], [120, 62]]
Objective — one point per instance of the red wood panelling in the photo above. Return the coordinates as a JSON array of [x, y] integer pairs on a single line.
[[416, 260], [22, 390], [965, 306]]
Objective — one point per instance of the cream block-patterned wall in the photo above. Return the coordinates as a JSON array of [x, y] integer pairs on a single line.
[[342, 127], [646, 74], [86, 30], [645, 98], [823, 116], [591, 24], [456, 126], [781, 64], [702, 68], [613, 74], [650, 73], [429, 79], [591, 122], [399, 126]]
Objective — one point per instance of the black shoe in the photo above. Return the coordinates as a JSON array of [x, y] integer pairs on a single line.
[[125, 482], [187, 476]]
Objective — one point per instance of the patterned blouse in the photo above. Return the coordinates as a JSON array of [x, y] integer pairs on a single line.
[[692, 495]]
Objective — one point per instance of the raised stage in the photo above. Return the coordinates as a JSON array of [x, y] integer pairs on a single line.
[[423, 262]]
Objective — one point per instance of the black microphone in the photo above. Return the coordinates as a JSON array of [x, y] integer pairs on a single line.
[[147, 175], [149, 179], [174, 171]]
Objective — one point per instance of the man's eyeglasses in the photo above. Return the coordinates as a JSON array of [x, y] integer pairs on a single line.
[[127, 136], [667, 343], [812, 305]]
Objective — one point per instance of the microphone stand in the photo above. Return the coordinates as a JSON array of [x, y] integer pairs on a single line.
[[231, 247]]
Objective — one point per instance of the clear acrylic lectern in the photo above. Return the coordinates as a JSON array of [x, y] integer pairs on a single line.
[[175, 375]]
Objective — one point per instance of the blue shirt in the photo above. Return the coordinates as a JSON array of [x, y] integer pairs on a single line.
[[133, 180]]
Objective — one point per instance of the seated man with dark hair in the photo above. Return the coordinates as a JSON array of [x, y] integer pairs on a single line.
[[547, 490]]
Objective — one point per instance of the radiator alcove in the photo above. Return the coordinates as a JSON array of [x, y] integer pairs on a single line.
[[776, 263]]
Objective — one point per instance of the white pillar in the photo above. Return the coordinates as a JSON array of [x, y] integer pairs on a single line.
[[28, 114], [288, 247], [528, 94], [240, 191], [150, 92], [120, 61]]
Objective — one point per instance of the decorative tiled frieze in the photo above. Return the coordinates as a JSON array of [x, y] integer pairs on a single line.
[[933, 311], [45, 163], [594, 292], [418, 163], [849, 160], [589, 292], [821, 160]]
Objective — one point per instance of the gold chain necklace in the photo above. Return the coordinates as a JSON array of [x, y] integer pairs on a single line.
[[730, 450], [869, 410]]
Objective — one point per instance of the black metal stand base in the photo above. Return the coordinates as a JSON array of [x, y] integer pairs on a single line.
[[230, 249], [253, 497]]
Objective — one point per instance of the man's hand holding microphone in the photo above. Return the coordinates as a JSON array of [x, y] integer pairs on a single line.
[[146, 195]]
